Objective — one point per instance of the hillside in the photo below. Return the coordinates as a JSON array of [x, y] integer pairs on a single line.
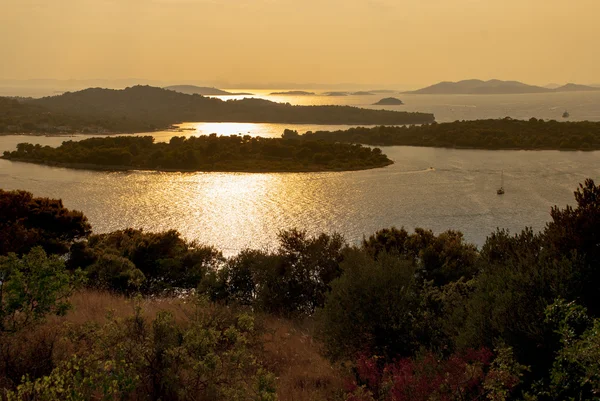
[[21, 115], [493, 87], [143, 108], [575, 88], [204, 91]]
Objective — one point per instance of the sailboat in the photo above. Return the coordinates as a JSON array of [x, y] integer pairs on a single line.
[[500, 191], [566, 114]]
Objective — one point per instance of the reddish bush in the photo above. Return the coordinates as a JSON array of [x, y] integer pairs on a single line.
[[469, 375]]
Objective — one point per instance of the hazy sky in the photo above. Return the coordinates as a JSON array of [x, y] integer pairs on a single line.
[[321, 41]]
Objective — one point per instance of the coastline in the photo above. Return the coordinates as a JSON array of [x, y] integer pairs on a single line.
[[121, 168]]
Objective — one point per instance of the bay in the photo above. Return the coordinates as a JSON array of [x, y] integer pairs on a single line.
[[433, 188]]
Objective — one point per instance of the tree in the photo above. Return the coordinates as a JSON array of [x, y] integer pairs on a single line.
[[26, 222], [373, 306], [443, 258], [575, 233], [31, 288]]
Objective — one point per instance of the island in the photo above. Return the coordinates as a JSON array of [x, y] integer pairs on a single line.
[[335, 94], [204, 153], [494, 87], [384, 91], [362, 93], [146, 109], [294, 93], [503, 133], [389, 101], [204, 91]]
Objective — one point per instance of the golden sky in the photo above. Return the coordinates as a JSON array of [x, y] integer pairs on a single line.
[[302, 41]]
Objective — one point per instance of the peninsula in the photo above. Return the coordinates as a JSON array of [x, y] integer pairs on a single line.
[[204, 153], [504, 133], [204, 91], [146, 108]]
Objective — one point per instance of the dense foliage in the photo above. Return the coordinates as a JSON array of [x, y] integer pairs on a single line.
[[478, 134], [145, 108], [26, 222], [204, 153], [31, 288], [133, 261], [406, 316], [18, 116]]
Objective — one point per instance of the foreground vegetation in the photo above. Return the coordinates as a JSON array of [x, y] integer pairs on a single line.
[[478, 134], [205, 153], [145, 108], [402, 316]]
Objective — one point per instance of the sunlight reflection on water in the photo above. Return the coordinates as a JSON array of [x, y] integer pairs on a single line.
[[237, 210]]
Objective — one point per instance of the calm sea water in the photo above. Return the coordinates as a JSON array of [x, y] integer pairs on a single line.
[[433, 188]]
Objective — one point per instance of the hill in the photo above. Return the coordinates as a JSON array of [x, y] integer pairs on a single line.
[[494, 87], [204, 91], [18, 115], [478, 87], [575, 88], [146, 108]]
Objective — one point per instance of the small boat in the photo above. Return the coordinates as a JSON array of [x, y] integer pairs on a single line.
[[500, 191], [566, 114]]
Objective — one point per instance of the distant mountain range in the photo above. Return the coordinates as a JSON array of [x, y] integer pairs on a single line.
[[494, 87], [202, 90]]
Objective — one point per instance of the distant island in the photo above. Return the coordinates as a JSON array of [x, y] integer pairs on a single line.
[[204, 153], [146, 108], [204, 91], [363, 93], [294, 93], [494, 87], [504, 133], [335, 94], [389, 101]]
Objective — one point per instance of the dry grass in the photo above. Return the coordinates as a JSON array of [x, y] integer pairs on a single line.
[[288, 349], [293, 355]]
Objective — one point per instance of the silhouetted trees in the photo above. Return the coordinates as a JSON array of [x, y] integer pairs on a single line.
[[27, 221], [478, 134], [413, 315], [205, 153]]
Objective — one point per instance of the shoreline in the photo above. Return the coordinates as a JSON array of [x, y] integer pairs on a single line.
[[121, 168]]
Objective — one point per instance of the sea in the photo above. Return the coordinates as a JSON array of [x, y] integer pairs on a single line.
[[434, 188]]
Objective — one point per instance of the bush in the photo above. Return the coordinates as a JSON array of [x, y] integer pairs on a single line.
[[209, 355], [26, 222], [373, 306]]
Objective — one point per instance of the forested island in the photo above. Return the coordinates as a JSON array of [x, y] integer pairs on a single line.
[[400, 316], [503, 133], [204, 153], [295, 93], [389, 101], [145, 109]]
